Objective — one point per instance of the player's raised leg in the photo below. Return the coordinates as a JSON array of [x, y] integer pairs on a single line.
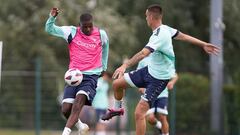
[[119, 86]]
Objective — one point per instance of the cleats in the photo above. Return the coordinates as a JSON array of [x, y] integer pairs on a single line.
[[113, 112], [83, 130]]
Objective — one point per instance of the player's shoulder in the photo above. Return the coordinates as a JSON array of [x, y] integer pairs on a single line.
[[69, 28], [167, 29], [164, 26], [103, 33]]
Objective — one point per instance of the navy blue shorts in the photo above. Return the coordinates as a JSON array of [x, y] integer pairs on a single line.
[[86, 87], [142, 79], [99, 114], [159, 106]]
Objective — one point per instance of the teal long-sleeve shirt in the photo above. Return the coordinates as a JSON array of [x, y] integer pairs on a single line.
[[66, 32]]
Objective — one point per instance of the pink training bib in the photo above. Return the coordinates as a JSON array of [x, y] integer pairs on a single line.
[[86, 51]]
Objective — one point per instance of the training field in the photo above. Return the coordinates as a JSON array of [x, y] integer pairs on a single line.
[[26, 132], [47, 132]]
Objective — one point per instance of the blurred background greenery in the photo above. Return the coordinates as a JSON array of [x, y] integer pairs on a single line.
[[24, 39]]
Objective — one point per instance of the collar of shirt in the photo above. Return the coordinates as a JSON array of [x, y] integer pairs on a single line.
[[154, 31]]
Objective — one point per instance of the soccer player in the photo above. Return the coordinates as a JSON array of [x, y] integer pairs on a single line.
[[100, 102], [157, 114], [159, 71], [88, 51]]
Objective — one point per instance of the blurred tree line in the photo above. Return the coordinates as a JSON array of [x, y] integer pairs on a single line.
[[22, 32]]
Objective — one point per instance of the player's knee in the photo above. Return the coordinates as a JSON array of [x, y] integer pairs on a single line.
[[139, 114], [115, 85], [163, 118], [79, 102], [66, 111], [151, 119], [141, 110], [118, 84]]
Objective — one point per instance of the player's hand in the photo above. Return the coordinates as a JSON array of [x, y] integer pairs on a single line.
[[54, 12], [211, 49], [119, 72], [170, 85]]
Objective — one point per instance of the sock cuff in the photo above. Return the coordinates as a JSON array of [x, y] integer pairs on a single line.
[[118, 103], [158, 124], [67, 129]]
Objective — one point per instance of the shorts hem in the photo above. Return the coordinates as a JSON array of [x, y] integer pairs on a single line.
[[129, 80]]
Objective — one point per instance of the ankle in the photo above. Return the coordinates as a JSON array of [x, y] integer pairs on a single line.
[[79, 124], [158, 125], [118, 104], [66, 131]]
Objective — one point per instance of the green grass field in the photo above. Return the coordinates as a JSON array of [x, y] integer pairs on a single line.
[[26, 132], [46, 132]]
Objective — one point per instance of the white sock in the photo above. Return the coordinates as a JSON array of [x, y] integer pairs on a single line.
[[100, 133], [66, 131], [118, 104], [79, 124], [158, 125]]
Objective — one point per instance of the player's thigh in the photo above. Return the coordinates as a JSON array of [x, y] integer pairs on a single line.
[[136, 78], [69, 94], [120, 83], [88, 88]]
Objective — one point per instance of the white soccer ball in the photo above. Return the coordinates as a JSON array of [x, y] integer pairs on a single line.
[[73, 77]]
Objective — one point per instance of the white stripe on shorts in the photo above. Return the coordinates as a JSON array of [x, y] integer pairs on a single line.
[[84, 93], [150, 111], [159, 110], [162, 111], [68, 100], [128, 80]]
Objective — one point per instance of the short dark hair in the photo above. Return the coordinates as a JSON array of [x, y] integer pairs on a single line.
[[85, 17], [156, 10]]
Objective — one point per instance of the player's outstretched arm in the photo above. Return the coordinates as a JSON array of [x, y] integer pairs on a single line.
[[132, 61], [208, 47], [50, 26], [55, 30], [54, 12]]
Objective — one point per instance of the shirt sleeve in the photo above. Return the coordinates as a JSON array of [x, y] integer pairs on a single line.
[[105, 45], [59, 31], [174, 32], [154, 43]]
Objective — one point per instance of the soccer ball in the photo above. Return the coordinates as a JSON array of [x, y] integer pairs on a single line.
[[73, 77]]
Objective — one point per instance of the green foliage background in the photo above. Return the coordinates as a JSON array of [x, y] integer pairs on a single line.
[[22, 32]]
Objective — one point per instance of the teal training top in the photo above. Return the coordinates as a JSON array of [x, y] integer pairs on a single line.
[[162, 59], [100, 100]]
